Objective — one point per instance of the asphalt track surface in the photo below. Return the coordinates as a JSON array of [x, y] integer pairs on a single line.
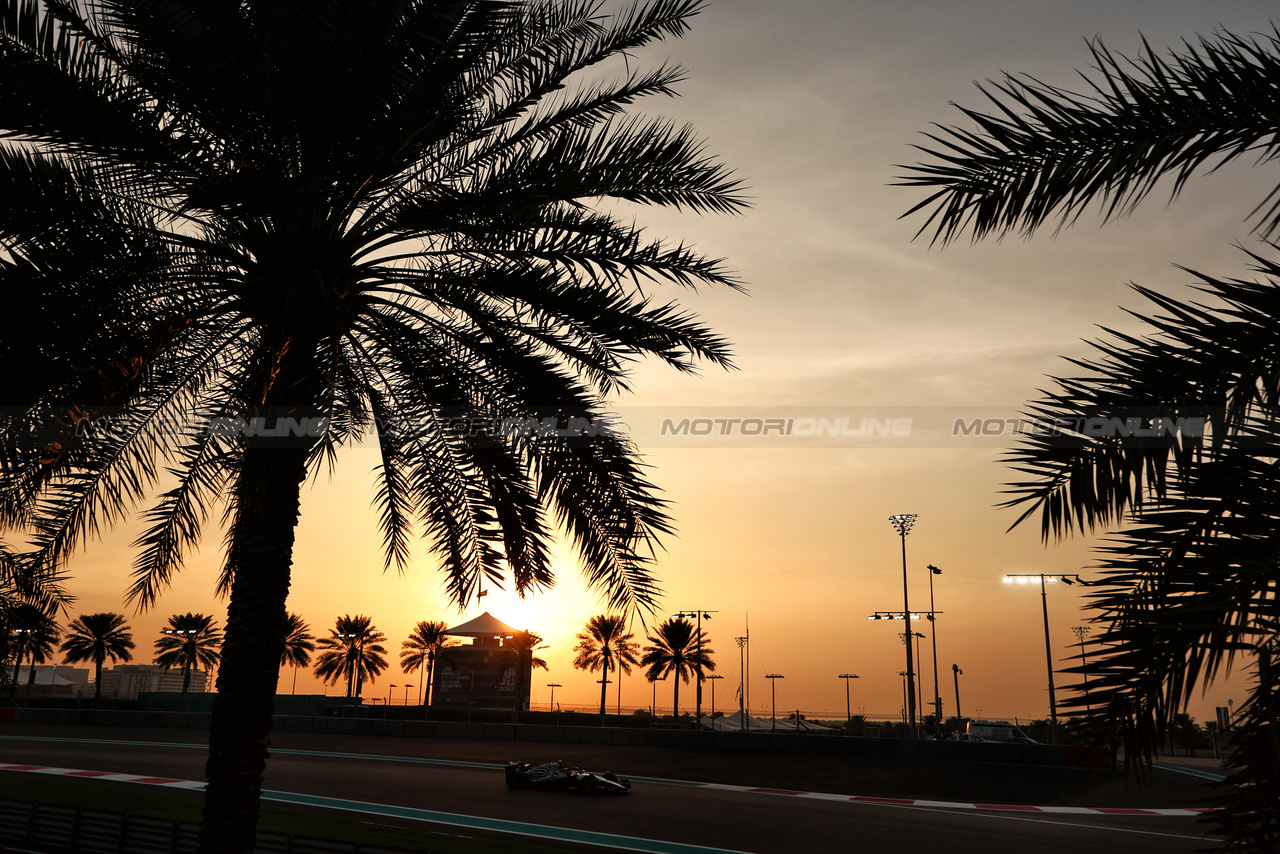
[[458, 777]]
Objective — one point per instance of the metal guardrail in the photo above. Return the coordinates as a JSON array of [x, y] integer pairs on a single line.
[[43, 829]]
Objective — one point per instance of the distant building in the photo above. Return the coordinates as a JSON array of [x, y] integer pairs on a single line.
[[483, 674], [52, 681], [126, 681]]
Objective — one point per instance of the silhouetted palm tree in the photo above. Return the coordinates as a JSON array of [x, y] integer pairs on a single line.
[[605, 644], [352, 651], [33, 634], [525, 645], [419, 652], [365, 217], [41, 645], [97, 637], [1171, 439], [520, 650], [191, 639], [677, 646], [299, 643]]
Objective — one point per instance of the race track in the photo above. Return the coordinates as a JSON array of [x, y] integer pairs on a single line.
[[464, 778]]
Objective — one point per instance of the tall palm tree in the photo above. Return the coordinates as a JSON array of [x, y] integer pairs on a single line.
[[299, 643], [1170, 439], [605, 644], [353, 651], [190, 640], [40, 643], [97, 637], [419, 652], [522, 650], [678, 647], [289, 226], [28, 595], [34, 633]]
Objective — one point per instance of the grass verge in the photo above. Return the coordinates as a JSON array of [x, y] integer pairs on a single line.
[[174, 805]]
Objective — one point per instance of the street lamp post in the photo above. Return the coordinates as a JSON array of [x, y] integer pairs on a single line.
[[697, 693], [903, 674], [553, 686], [742, 682], [919, 682], [907, 636], [407, 686], [1048, 647], [902, 523], [848, 710], [955, 674], [773, 689], [933, 633], [1082, 632], [713, 698]]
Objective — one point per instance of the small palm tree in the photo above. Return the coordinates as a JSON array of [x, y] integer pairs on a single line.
[[299, 643], [680, 648], [353, 650], [419, 652], [191, 639], [97, 637], [605, 644]]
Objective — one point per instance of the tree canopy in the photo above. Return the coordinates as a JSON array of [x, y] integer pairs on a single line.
[[240, 236]]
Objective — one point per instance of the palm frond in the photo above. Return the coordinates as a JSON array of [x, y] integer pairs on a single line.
[[1047, 152], [1170, 442]]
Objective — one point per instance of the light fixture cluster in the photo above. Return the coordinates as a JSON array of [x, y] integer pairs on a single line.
[[1049, 579], [902, 522]]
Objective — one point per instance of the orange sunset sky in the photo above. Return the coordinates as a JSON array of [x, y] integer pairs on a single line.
[[812, 103]]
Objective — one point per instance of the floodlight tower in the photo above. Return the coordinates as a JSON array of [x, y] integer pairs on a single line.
[[902, 523], [1023, 578]]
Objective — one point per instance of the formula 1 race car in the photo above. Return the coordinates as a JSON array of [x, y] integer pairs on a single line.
[[556, 776]]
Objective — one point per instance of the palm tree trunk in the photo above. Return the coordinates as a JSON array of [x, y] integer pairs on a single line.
[[97, 680], [675, 701], [431, 669], [268, 494]]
